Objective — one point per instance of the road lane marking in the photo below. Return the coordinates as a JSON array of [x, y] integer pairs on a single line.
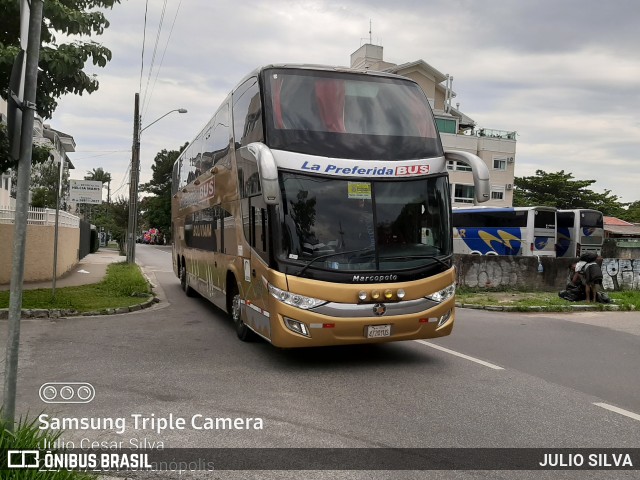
[[461, 355], [621, 411]]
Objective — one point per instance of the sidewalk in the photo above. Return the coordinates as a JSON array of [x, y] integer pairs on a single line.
[[91, 269]]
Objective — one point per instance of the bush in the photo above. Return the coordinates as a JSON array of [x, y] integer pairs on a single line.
[[27, 436]]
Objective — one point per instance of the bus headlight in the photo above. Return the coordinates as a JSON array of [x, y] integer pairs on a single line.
[[295, 300], [444, 294]]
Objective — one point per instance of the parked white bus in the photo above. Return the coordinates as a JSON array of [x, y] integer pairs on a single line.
[[526, 231], [580, 231]]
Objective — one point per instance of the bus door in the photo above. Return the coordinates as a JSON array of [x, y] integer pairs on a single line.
[[591, 232], [566, 234], [544, 233], [255, 265]]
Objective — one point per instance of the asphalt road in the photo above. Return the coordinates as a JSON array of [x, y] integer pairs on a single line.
[[523, 380]]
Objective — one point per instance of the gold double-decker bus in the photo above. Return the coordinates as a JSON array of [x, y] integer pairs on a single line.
[[314, 207]]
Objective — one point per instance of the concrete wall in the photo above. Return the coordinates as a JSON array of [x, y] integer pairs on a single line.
[[38, 264], [521, 273], [621, 273]]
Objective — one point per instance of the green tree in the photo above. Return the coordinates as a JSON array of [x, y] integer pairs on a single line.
[[114, 217], [94, 213], [561, 190], [39, 154], [632, 213], [44, 184], [63, 55], [99, 175], [156, 209]]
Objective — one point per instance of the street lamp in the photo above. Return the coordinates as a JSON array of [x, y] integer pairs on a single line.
[[134, 176], [179, 110]]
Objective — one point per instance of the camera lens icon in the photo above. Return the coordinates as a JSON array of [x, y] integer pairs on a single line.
[[67, 392]]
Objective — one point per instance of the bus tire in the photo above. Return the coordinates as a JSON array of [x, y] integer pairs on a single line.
[[183, 281], [233, 307]]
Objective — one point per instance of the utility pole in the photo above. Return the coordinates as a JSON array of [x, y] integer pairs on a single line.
[[133, 184], [22, 205], [135, 177]]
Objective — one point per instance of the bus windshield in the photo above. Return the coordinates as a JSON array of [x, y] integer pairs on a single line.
[[364, 225], [591, 219], [345, 115]]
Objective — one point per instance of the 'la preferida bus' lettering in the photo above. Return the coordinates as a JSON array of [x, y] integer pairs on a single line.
[[374, 172]]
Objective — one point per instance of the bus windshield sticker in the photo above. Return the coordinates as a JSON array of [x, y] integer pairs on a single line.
[[359, 190]]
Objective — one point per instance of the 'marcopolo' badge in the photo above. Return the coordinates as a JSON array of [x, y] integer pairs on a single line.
[[379, 309]]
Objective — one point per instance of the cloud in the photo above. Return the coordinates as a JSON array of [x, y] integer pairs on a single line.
[[561, 74]]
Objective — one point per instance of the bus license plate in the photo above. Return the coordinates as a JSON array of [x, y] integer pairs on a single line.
[[378, 331]]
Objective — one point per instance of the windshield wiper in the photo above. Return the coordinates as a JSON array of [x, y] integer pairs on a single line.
[[329, 255], [420, 257]]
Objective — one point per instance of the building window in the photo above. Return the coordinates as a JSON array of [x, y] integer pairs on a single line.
[[463, 193], [446, 125], [499, 163], [497, 194], [458, 166]]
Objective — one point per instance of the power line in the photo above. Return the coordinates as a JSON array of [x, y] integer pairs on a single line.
[[155, 51], [104, 154], [162, 58], [124, 181], [144, 39]]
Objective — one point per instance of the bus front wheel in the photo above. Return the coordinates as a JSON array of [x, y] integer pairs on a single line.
[[234, 301], [183, 281]]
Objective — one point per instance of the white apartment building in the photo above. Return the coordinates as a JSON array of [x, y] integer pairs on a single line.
[[458, 132]]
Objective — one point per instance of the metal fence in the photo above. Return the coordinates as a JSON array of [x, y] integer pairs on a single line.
[[41, 216]]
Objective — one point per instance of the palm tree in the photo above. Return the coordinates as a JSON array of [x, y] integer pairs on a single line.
[[98, 174]]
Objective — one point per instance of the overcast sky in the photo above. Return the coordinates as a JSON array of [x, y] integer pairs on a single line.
[[564, 74]]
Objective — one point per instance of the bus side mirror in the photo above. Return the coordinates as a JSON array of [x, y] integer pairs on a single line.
[[479, 169], [267, 169]]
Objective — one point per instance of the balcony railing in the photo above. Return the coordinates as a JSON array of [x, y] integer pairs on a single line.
[[41, 216], [487, 132]]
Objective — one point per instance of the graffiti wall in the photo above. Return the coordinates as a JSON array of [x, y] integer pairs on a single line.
[[547, 274], [619, 273]]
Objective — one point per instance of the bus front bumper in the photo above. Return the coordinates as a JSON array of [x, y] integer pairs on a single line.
[[309, 328]]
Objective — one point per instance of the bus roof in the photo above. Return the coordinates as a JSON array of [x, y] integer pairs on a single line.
[[579, 210], [319, 67], [484, 209]]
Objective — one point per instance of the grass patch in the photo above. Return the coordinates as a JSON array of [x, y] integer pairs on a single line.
[[123, 286], [27, 436], [518, 300]]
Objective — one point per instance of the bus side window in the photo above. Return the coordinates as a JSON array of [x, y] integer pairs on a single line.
[[256, 226], [247, 128], [175, 177], [188, 168], [216, 140], [247, 113]]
